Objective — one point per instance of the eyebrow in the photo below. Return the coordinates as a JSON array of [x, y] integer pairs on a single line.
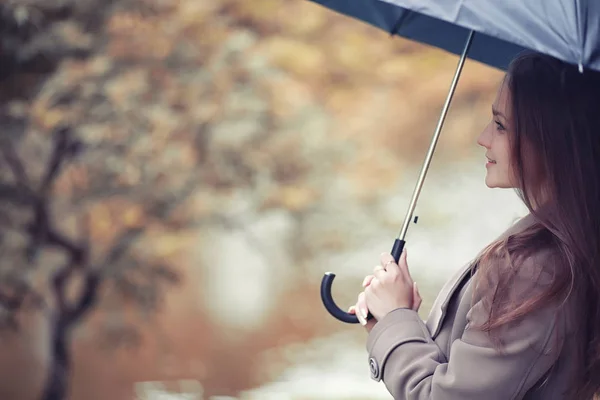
[[496, 112]]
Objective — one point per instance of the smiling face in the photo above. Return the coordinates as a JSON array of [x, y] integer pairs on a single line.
[[495, 139]]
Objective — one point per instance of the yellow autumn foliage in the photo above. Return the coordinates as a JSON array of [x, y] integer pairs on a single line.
[[294, 198]]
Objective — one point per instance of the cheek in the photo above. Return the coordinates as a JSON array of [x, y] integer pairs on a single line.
[[508, 170], [504, 147]]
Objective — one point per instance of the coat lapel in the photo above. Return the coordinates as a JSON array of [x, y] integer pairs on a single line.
[[438, 311]]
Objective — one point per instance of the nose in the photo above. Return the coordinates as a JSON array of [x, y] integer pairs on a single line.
[[485, 137]]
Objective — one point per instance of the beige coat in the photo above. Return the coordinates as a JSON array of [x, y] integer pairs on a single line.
[[445, 358]]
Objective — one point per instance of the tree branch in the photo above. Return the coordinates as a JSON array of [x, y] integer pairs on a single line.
[[61, 152], [121, 244], [87, 299], [59, 282], [78, 253]]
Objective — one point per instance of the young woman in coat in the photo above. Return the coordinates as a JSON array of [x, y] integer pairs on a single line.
[[522, 321]]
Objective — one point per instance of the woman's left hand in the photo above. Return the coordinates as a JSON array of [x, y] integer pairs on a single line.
[[399, 296], [391, 287]]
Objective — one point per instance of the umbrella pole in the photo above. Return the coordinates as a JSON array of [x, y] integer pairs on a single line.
[[328, 278], [399, 243]]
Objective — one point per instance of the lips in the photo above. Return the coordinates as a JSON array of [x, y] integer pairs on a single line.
[[491, 161]]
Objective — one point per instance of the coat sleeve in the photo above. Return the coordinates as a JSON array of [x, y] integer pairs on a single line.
[[403, 354]]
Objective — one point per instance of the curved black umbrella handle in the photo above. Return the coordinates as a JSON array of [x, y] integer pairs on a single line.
[[327, 281]]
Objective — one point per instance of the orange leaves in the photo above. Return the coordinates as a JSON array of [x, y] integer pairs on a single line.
[[298, 57], [287, 96], [133, 216], [49, 119], [170, 245], [196, 13], [74, 179], [121, 90], [135, 37], [294, 198], [110, 217]]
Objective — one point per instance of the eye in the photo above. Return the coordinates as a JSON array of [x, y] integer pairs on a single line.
[[499, 125]]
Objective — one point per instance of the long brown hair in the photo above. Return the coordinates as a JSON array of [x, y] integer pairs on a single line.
[[555, 144]]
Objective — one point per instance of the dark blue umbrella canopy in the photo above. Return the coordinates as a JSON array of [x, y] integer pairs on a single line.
[[566, 29]]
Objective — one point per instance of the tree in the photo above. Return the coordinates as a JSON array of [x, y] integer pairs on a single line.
[[29, 211], [114, 118], [74, 224]]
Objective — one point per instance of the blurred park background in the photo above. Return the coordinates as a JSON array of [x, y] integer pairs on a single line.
[[218, 158]]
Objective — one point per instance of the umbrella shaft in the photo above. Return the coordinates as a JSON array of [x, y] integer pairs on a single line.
[[434, 140]]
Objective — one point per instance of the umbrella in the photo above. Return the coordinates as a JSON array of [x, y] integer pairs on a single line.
[[489, 31]]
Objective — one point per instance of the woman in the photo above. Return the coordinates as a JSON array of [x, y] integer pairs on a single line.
[[523, 320]]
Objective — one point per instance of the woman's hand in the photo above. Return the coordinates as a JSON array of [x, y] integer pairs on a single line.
[[362, 307], [390, 287]]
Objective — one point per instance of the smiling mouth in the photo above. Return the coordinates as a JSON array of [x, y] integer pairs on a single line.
[[491, 161]]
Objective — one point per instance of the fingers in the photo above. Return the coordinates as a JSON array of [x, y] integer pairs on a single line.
[[417, 300], [403, 266], [361, 309], [400, 268], [379, 272], [367, 280], [388, 263], [402, 272], [363, 321]]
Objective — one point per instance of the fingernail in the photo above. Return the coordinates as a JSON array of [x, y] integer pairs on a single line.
[[364, 313], [362, 321]]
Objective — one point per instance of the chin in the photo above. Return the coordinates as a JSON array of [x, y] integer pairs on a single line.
[[497, 185]]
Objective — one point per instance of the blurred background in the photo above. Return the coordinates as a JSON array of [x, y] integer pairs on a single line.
[[228, 154]]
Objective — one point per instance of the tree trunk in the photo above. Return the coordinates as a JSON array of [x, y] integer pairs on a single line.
[[59, 374], [57, 385]]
